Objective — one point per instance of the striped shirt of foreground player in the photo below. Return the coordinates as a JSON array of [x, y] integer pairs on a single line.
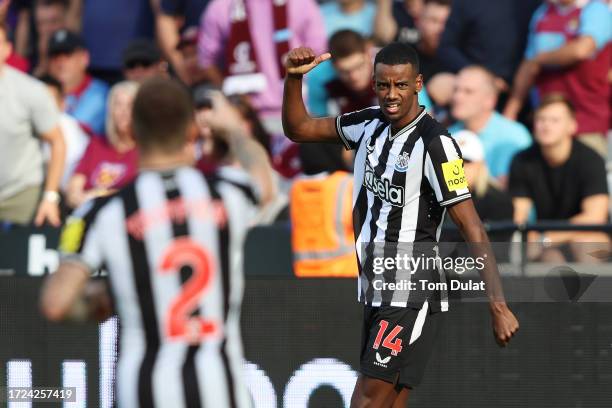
[[408, 172], [171, 242]]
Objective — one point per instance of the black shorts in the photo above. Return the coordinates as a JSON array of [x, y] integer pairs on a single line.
[[397, 342]]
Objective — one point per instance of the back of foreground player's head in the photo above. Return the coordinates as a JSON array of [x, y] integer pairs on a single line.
[[162, 115], [398, 53]]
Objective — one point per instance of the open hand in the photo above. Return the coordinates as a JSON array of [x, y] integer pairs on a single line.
[[303, 59]]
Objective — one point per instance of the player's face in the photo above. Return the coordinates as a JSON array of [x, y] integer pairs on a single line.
[[396, 88], [355, 71], [553, 124]]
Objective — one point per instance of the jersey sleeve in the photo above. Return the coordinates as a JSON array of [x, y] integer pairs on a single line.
[[444, 171], [596, 22], [351, 126], [80, 240]]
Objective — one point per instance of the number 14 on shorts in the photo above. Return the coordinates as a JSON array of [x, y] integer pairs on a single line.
[[390, 341]]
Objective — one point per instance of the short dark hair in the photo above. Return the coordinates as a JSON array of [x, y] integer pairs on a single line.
[[345, 43], [52, 82], [398, 53], [555, 98], [162, 114]]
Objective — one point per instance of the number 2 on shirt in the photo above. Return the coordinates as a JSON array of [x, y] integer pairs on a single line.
[[394, 346], [180, 324]]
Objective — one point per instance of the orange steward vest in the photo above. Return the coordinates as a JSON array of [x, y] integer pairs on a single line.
[[322, 228]]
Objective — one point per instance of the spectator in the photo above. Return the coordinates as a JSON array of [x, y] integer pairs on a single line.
[[174, 17], [473, 104], [396, 21], [487, 33], [431, 25], [351, 88], [355, 15], [188, 48], [241, 47], [85, 96], [75, 138], [569, 52], [562, 179], [27, 112], [108, 163], [49, 17], [109, 26], [142, 60]]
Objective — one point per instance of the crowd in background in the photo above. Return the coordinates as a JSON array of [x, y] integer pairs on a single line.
[[524, 86]]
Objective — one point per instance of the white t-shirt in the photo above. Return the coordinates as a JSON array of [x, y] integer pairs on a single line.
[[76, 142]]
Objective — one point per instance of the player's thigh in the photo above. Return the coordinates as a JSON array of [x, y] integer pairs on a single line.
[[373, 393]]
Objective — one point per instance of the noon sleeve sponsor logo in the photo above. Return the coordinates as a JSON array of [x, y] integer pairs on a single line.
[[454, 176], [383, 188]]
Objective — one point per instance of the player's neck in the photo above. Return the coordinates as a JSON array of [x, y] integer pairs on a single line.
[[558, 153], [414, 113], [159, 160]]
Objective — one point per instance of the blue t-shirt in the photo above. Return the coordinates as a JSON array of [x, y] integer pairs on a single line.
[[501, 138], [89, 106], [361, 21], [110, 25]]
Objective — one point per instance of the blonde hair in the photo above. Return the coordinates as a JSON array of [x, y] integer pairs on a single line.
[[130, 87]]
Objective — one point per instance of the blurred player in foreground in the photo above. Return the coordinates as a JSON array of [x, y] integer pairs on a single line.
[[408, 172], [171, 242]]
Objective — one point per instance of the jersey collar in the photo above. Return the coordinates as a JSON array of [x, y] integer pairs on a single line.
[[408, 126]]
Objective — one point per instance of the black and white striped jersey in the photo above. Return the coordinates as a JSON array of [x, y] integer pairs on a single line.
[[172, 245], [403, 182]]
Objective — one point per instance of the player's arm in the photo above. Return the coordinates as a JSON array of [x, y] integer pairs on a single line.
[[298, 125], [61, 291], [444, 171], [466, 218], [69, 293]]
